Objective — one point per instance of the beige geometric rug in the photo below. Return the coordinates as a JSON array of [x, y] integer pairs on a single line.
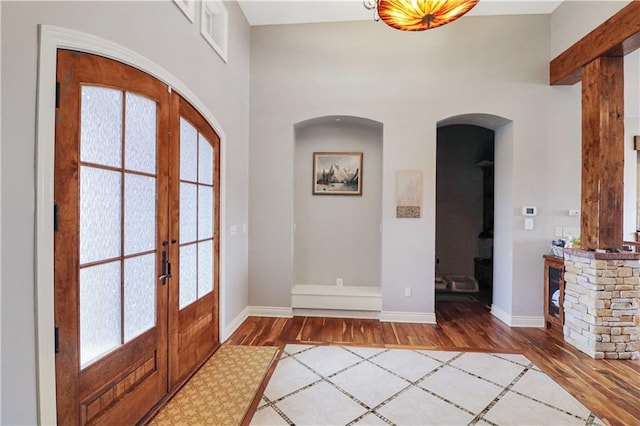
[[348, 385], [221, 392]]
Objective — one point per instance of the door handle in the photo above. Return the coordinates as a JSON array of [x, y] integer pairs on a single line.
[[165, 268]]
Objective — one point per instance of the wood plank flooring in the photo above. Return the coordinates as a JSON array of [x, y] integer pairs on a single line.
[[610, 388]]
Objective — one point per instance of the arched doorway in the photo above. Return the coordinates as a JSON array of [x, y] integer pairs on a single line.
[[501, 246]]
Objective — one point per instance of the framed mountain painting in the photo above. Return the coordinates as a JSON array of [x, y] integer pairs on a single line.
[[337, 173]]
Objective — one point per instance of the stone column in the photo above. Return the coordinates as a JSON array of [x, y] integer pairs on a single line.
[[602, 303]]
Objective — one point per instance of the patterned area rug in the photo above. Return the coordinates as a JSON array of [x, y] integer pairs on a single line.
[[333, 385], [222, 390]]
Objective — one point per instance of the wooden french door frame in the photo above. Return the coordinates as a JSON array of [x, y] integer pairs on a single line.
[[200, 337], [50, 39], [124, 384], [194, 329]]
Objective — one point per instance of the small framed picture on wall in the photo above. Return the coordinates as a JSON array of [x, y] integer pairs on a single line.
[[337, 173]]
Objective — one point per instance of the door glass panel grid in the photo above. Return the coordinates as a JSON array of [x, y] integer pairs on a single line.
[[117, 220], [196, 214]]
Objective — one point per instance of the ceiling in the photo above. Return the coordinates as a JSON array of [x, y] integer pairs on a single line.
[[274, 12]]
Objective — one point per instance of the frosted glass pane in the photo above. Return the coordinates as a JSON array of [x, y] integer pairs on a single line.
[[188, 265], [205, 212], [139, 213], [140, 134], [99, 311], [205, 268], [188, 151], [101, 126], [188, 212], [205, 162], [139, 295], [100, 214]]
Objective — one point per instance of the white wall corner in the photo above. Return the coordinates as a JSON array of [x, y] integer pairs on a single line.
[[270, 311], [230, 328], [501, 315], [517, 321], [415, 317]]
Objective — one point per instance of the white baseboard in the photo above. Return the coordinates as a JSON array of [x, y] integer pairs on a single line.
[[525, 321], [234, 324], [415, 317], [501, 315], [253, 311], [270, 311], [330, 297], [517, 321]]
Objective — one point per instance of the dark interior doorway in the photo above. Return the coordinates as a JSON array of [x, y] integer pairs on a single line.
[[464, 213]]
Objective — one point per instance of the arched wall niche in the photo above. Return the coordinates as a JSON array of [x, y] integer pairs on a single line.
[[337, 236]]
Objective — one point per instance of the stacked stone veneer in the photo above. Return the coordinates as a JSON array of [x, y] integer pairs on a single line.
[[602, 303]]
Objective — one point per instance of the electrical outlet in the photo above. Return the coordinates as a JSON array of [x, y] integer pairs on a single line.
[[339, 282], [407, 291], [559, 232]]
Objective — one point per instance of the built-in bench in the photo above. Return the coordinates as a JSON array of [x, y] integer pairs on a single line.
[[354, 298]]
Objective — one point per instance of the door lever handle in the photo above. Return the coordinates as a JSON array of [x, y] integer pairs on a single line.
[[165, 269]]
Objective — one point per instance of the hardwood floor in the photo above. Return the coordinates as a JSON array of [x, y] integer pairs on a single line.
[[610, 388]]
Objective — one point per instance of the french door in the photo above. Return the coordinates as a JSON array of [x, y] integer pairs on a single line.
[[135, 289], [194, 189]]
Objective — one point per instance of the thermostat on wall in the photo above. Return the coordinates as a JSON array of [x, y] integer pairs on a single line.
[[529, 211]]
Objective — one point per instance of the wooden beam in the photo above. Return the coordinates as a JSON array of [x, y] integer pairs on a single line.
[[617, 36], [602, 153]]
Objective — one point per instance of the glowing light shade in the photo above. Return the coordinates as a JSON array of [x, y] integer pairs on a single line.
[[419, 15]]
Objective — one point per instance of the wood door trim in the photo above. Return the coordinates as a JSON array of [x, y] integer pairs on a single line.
[[66, 142]]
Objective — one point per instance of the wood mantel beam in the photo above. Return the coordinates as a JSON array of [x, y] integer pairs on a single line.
[[617, 36], [601, 224]]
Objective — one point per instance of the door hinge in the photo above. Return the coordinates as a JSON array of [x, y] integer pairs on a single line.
[[57, 94], [56, 332], [55, 217]]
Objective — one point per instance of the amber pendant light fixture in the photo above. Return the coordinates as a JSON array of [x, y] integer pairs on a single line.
[[418, 15]]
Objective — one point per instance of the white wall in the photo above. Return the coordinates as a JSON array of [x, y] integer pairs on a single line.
[[160, 32], [494, 65], [573, 20], [338, 236], [631, 129], [504, 221]]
